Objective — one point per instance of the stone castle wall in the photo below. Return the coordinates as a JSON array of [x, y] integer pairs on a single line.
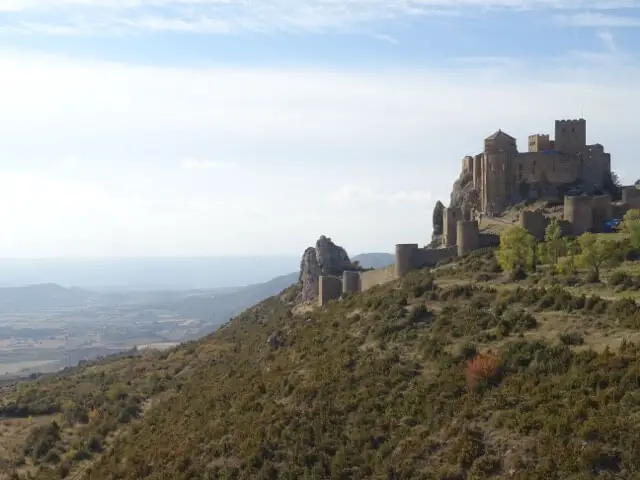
[[329, 288], [502, 176], [578, 211], [408, 257], [535, 223], [376, 277]]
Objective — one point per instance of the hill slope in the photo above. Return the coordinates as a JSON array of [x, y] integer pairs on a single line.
[[374, 386]]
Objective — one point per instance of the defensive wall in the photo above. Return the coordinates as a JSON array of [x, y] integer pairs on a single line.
[[408, 257], [581, 214]]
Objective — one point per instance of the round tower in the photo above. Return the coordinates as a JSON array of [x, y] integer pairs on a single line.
[[405, 253], [468, 236], [602, 211], [350, 281], [578, 212], [534, 222]]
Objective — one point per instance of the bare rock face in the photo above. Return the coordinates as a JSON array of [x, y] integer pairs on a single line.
[[326, 258], [464, 194]]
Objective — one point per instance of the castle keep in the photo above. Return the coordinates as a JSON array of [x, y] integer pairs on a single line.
[[503, 176]]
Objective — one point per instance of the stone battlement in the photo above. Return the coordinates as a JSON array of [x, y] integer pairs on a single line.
[[502, 176]]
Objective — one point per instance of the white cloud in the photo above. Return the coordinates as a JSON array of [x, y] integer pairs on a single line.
[[599, 19], [351, 195], [608, 40], [359, 155], [195, 164], [99, 17]]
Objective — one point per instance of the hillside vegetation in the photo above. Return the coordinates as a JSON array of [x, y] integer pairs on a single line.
[[521, 363]]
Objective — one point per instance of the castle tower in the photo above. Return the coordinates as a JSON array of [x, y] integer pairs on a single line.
[[499, 151], [571, 135], [405, 256], [468, 236], [578, 211], [602, 210]]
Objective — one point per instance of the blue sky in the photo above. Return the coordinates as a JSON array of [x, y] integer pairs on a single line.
[[212, 127]]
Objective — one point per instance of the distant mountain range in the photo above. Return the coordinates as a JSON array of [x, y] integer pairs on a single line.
[[147, 274], [215, 306]]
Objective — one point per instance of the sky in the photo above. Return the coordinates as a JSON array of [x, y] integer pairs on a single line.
[[233, 127]]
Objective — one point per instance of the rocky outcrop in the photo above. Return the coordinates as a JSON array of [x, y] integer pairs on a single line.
[[464, 194], [326, 258]]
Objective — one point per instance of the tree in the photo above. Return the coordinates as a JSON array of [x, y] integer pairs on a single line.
[[554, 246], [612, 185], [438, 221], [573, 250], [596, 253], [517, 247], [631, 225]]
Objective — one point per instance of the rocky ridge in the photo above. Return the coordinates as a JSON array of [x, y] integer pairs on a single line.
[[326, 258]]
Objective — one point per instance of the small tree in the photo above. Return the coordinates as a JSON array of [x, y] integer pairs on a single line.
[[516, 249], [612, 185], [554, 246], [596, 253], [631, 225]]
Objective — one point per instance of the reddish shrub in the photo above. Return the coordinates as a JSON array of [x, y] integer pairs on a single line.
[[484, 367]]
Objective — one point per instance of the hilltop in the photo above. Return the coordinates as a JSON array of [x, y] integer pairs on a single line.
[[374, 385]]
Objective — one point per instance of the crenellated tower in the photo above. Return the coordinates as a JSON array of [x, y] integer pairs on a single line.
[[502, 176], [571, 136]]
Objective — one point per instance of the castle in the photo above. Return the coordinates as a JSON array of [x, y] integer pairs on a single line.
[[502, 177]]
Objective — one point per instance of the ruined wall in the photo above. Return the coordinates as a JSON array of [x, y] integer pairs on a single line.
[[330, 288], [468, 236], [535, 223], [450, 217], [380, 276], [429, 257], [351, 281], [578, 211]]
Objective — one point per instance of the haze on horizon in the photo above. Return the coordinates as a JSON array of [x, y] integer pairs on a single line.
[[240, 128]]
